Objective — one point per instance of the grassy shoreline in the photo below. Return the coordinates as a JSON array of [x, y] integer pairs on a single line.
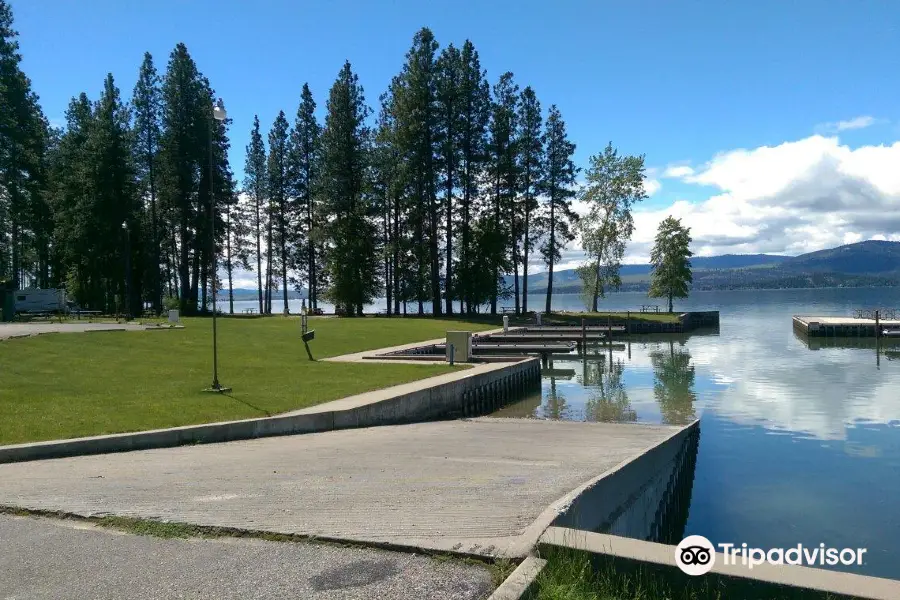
[[69, 385]]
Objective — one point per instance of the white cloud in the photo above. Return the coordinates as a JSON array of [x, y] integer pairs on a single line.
[[678, 171], [651, 186], [797, 197], [855, 123]]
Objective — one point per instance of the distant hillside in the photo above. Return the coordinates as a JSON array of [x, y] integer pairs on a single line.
[[869, 263], [873, 256]]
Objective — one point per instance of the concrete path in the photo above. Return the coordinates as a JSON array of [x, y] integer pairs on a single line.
[[482, 486], [14, 330], [60, 560]]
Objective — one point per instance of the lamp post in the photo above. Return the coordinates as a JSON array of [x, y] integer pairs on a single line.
[[218, 114], [127, 270]]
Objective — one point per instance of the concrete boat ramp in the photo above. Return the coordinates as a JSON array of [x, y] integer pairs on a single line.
[[486, 486]]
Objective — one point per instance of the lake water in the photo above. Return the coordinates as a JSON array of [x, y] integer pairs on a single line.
[[797, 444]]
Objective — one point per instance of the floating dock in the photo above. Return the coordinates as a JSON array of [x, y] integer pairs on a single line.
[[843, 326]]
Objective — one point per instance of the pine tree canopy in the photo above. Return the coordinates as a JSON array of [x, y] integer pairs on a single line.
[[438, 203]]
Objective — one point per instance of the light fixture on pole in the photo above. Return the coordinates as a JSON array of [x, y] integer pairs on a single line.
[[218, 114]]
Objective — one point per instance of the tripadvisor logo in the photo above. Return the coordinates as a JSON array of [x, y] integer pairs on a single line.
[[696, 555]]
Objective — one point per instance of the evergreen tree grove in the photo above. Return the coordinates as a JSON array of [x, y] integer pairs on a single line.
[[438, 203]]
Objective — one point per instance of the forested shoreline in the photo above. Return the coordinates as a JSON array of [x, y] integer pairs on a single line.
[[429, 199]]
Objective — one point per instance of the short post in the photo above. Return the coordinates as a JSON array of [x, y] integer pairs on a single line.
[[537, 317], [505, 323], [583, 336], [451, 348], [303, 322]]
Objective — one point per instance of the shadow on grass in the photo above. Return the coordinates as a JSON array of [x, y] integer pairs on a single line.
[[249, 405]]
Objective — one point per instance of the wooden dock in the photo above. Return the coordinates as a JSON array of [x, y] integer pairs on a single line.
[[813, 326]]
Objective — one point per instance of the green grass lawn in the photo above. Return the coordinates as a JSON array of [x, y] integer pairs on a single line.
[[573, 575], [77, 384]]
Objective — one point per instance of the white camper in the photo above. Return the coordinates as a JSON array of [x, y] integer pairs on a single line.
[[35, 300]]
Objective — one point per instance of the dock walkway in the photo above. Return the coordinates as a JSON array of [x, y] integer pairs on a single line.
[[831, 326]]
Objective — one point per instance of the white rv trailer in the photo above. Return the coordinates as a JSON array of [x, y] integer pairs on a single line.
[[36, 300]]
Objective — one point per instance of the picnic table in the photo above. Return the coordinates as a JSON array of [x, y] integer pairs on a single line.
[[649, 308], [507, 309], [249, 311]]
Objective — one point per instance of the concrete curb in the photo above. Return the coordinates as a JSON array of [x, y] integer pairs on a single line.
[[521, 581], [576, 505], [771, 578], [465, 393]]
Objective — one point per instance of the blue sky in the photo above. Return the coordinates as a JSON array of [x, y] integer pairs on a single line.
[[686, 83]]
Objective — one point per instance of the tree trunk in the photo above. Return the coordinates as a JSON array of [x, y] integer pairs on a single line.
[[269, 266], [154, 229], [516, 272], [596, 294], [670, 302], [397, 271], [552, 252], [259, 284], [525, 270], [228, 262], [434, 254], [284, 282], [448, 281], [495, 291], [184, 269]]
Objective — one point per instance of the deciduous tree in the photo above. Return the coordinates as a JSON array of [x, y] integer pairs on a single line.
[[614, 184]]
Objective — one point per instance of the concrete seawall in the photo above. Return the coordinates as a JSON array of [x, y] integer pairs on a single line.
[[473, 392], [643, 497], [687, 322]]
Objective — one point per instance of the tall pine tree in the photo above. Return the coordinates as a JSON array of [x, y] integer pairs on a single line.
[[503, 173], [255, 187], [279, 198], [450, 125], [557, 187], [304, 166], [475, 101], [416, 113], [352, 261], [22, 144], [531, 159]]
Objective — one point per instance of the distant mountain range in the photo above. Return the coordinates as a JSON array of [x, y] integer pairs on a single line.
[[869, 263]]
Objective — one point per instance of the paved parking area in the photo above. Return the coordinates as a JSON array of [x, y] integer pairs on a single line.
[[13, 330]]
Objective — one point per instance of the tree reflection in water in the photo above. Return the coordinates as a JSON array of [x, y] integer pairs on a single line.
[[608, 400], [673, 384], [555, 406]]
